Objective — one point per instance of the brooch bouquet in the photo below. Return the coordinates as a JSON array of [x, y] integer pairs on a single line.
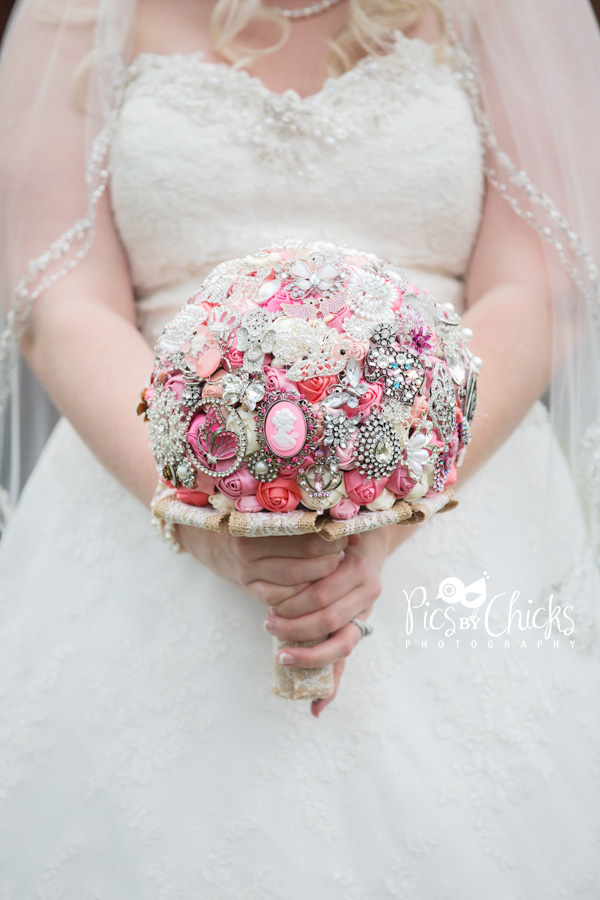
[[308, 387]]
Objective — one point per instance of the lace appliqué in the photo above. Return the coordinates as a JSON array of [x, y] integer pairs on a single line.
[[289, 132], [311, 348]]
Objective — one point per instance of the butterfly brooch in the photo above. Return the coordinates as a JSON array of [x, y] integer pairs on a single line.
[[307, 279], [350, 390], [219, 450]]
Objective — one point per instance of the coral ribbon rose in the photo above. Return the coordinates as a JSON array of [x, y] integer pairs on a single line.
[[281, 495]]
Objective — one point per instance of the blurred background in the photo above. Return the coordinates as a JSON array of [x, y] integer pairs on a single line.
[[6, 6], [30, 389]]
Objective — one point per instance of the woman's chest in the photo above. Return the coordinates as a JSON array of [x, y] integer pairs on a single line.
[[388, 152]]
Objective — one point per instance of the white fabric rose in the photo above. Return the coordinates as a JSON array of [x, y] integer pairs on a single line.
[[260, 261], [284, 324], [222, 503], [249, 425], [385, 501], [419, 490]]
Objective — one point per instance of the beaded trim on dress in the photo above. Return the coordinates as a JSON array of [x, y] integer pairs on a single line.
[[290, 132]]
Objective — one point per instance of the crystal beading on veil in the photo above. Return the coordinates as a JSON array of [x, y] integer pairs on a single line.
[[543, 165]]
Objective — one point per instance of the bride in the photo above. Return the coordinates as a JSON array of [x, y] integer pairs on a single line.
[[142, 751]]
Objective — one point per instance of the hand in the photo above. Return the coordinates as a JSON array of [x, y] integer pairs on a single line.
[[270, 568], [259, 564], [325, 609], [297, 618]]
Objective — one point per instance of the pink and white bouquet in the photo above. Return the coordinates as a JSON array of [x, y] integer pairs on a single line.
[[309, 387]]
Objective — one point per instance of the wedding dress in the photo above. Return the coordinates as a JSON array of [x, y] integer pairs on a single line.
[[143, 755]]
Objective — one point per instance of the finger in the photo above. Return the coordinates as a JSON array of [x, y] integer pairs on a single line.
[[324, 622], [298, 546], [283, 571], [317, 706], [338, 646], [354, 570], [272, 594]]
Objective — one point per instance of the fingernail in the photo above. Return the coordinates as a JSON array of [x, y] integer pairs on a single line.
[[269, 626], [341, 555], [273, 610], [285, 659]]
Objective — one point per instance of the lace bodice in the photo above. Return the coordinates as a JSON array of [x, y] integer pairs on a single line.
[[209, 164]]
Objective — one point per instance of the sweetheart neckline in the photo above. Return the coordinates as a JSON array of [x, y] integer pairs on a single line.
[[400, 41]]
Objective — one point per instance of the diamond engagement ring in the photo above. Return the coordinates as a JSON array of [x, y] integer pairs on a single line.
[[365, 628]]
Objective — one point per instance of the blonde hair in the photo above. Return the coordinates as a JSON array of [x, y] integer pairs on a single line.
[[367, 28]]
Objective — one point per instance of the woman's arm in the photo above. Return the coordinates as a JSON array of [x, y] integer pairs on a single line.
[[83, 345]]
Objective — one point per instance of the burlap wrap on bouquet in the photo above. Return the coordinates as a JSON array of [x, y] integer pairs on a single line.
[[268, 524], [296, 683]]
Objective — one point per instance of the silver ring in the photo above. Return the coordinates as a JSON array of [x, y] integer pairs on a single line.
[[365, 628]]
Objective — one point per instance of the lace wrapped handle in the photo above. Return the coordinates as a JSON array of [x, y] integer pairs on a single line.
[[297, 683]]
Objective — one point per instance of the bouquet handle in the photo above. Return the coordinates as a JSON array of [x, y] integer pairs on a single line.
[[298, 683]]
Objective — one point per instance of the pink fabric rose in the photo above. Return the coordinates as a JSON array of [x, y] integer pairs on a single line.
[[276, 380], [276, 302], [235, 356], [344, 509], [371, 397], [315, 389], [176, 384], [281, 495], [345, 456], [337, 320], [248, 504], [191, 497], [418, 410], [214, 388], [238, 484], [361, 489], [357, 349], [400, 482], [292, 471]]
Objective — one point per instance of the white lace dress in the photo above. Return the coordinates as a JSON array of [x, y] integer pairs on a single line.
[[143, 755]]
